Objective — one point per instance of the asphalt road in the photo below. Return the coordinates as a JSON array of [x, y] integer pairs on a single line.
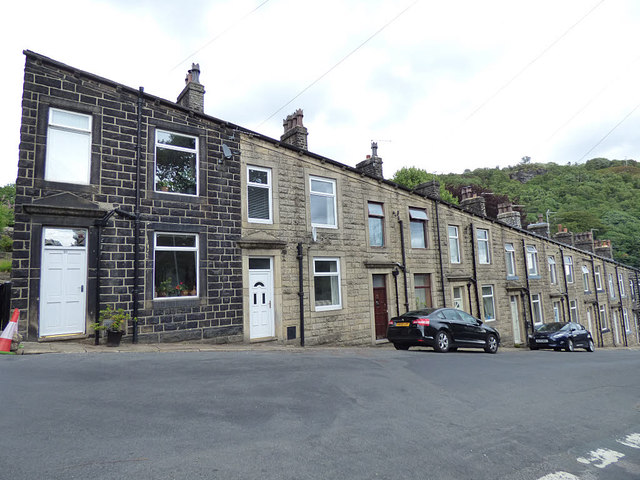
[[321, 414]]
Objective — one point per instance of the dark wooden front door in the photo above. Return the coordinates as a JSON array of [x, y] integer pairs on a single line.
[[380, 305]]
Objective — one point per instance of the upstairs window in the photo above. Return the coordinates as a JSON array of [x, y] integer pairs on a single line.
[[532, 260], [323, 202], [556, 311], [376, 225], [598, 278], [621, 284], [568, 268], [259, 195], [553, 273], [454, 244], [585, 278], [68, 157], [483, 246], [175, 265], [510, 259], [612, 292], [176, 163], [418, 224]]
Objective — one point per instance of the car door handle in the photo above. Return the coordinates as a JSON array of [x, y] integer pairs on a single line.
[[81, 288]]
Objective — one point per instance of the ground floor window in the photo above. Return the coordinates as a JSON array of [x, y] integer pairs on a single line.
[[175, 265], [625, 317], [488, 302], [573, 311], [326, 279], [603, 317], [556, 311], [536, 308], [458, 298], [422, 287]]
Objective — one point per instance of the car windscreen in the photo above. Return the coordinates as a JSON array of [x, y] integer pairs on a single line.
[[551, 327]]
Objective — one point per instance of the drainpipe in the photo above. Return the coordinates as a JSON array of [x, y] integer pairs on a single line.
[[595, 290], [621, 321], [300, 258], [469, 295], [475, 270], [404, 267], [395, 274], [444, 297], [524, 253], [136, 228], [566, 286]]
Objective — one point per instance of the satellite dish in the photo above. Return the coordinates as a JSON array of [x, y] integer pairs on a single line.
[[226, 151]]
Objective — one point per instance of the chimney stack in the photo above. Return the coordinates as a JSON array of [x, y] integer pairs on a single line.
[[429, 189], [372, 165], [603, 248], [541, 228], [192, 96], [295, 133], [507, 215], [472, 203], [584, 241], [564, 236]]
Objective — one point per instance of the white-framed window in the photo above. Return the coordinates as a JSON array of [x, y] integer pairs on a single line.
[[573, 311], [536, 308], [259, 195], [625, 318], [585, 278], [454, 244], [612, 292], [556, 311], [418, 225], [176, 163], [484, 256], [553, 272], [322, 201], [175, 265], [510, 259], [632, 289], [458, 298], [326, 279], [488, 303], [532, 260], [603, 317], [621, 284], [68, 157], [568, 268], [598, 277], [422, 289], [376, 224]]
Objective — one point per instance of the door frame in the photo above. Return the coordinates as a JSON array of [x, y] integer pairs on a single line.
[[271, 299], [43, 275], [515, 320]]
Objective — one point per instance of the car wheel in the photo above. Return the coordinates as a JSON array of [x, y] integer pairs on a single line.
[[399, 346], [569, 347], [491, 345], [591, 347], [443, 342]]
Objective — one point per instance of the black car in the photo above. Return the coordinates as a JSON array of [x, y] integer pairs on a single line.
[[443, 329], [561, 335]]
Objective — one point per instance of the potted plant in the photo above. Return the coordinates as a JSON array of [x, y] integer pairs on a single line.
[[163, 185], [114, 322], [162, 290]]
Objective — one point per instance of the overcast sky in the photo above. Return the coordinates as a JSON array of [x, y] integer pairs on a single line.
[[443, 85]]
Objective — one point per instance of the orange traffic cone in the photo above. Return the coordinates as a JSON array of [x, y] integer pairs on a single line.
[[8, 332]]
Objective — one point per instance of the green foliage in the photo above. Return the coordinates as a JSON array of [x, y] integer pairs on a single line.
[[6, 243], [5, 265], [600, 195], [411, 177], [7, 202], [110, 319]]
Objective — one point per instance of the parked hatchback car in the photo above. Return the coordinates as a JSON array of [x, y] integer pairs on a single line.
[[443, 329], [561, 335]]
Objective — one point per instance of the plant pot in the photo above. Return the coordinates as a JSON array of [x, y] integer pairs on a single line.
[[113, 338]]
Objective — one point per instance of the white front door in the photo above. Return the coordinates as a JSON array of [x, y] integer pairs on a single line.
[[517, 339], [63, 281], [261, 316]]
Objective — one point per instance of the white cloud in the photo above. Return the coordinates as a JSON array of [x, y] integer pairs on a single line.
[[445, 86]]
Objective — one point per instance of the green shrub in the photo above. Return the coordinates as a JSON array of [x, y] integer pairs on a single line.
[[5, 265], [6, 243]]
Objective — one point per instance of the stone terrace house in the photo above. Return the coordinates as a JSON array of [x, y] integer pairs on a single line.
[[128, 200], [338, 250], [245, 237]]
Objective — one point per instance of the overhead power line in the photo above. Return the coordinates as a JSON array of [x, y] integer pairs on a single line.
[[337, 64], [217, 36]]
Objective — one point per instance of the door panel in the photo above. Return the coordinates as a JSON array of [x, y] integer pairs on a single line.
[[62, 291], [261, 308], [380, 306]]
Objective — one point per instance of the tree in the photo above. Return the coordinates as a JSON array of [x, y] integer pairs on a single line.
[[411, 177]]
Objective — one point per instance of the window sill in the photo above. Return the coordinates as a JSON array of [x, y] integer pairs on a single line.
[[175, 197], [328, 308], [605, 330], [169, 302], [512, 278], [535, 277]]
